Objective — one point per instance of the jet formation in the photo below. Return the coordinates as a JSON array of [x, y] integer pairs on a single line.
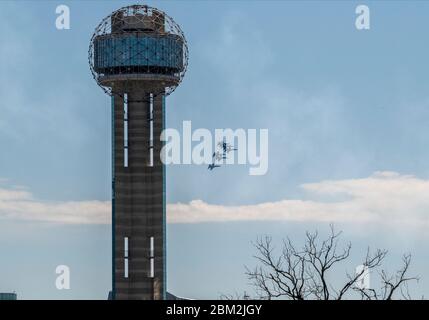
[[217, 156]]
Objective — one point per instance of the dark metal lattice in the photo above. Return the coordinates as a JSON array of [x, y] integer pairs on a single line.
[[135, 41]]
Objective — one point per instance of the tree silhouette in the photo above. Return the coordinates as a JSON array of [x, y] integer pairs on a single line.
[[301, 274]]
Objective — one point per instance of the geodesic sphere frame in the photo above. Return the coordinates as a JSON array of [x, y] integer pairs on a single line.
[[121, 45]]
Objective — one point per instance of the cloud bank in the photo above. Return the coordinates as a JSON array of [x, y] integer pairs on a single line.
[[383, 197], [16, 204]]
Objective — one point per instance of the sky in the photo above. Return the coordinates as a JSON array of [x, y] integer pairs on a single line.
[[347, 114]]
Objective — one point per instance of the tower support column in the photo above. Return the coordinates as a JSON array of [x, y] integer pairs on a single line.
[[139, 195]]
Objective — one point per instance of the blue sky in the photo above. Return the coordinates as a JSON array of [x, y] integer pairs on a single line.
[[347, 114]]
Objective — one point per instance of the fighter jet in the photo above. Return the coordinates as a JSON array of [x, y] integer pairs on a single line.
[[212, 166], [217, 156], [226, 148]]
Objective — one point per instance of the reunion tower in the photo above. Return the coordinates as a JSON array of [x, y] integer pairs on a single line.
[[138, 55]]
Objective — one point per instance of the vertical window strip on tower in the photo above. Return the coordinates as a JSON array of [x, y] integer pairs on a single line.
[[151, 114], [126, 130], [126, 257], [152, 257]]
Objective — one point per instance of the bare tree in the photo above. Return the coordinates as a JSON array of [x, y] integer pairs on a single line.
[[300, 274]]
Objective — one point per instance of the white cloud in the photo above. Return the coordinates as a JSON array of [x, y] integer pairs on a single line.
[[20, 205], [382, 198], [11, 195]]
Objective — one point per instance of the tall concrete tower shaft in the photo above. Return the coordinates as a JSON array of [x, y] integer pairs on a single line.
[[138, 55], [139, 195]]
